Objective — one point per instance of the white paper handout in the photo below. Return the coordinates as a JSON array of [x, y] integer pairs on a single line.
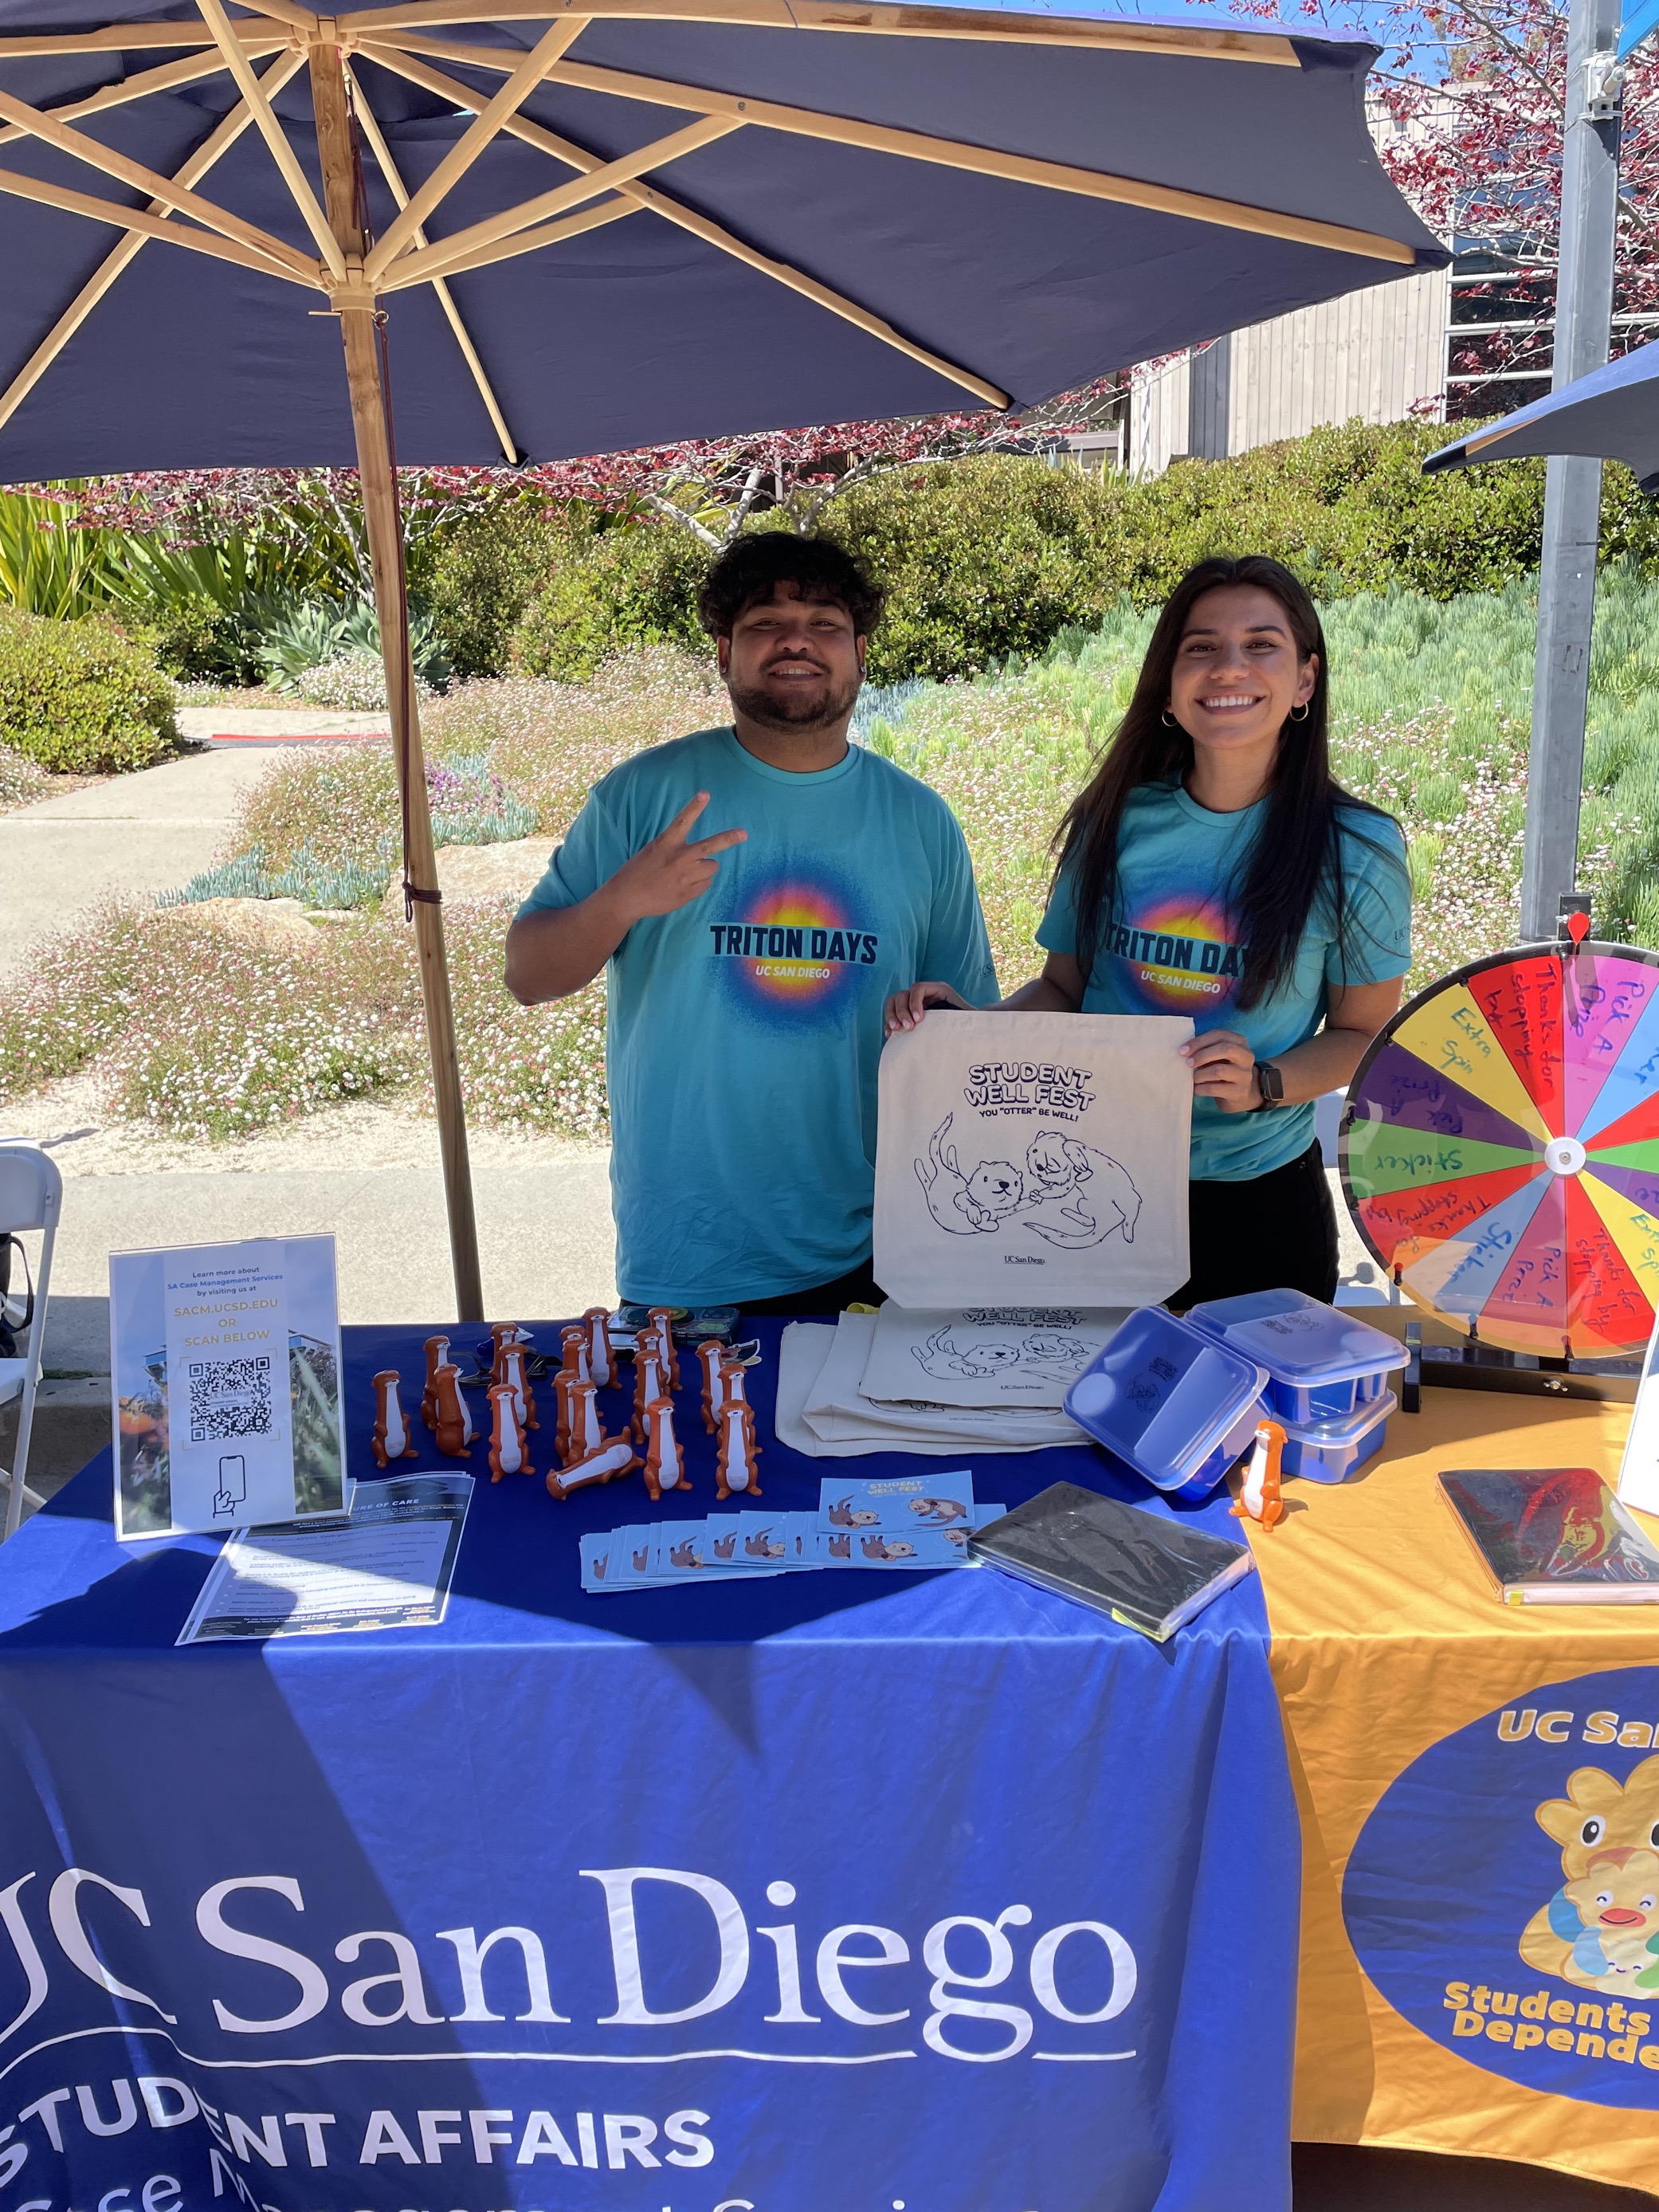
[[1042, 1158], [226, 1361], [984, 1355], [388, 1567]]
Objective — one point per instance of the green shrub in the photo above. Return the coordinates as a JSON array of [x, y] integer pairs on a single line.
[[486, 568], [80, 697], [198, 642], [632, 587]]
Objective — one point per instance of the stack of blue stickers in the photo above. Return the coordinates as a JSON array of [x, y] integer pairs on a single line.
[[899, 1523]]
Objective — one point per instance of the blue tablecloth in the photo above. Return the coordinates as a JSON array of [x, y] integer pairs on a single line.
[[837, 1892]]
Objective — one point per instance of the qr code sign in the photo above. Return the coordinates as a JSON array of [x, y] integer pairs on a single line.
[[229, 1398]]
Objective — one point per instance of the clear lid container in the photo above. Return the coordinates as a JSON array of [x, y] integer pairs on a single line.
[[1163, 1395], [1297, 1339]]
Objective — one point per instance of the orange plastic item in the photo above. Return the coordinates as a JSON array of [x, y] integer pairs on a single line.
[[1259, 1497], [392, 1437], [508, 1452]]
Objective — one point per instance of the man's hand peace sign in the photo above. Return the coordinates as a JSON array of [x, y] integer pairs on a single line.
[[671, 871]]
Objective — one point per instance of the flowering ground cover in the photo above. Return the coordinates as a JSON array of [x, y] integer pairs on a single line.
[[202, 1031]]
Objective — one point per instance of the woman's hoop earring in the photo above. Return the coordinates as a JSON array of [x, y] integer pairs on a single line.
[[1299, 714], [1169, 718]]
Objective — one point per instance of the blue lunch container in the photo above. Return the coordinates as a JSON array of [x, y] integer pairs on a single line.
[[1322, 1364], [1330, 1451], [1169, 1403]]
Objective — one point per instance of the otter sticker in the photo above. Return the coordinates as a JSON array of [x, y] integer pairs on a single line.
[[1041, 1157], [1504, 1895]]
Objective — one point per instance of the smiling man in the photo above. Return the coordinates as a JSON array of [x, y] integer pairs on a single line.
[[757, 891]]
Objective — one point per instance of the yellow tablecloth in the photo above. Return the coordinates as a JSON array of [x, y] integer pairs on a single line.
[[1387, 1637]]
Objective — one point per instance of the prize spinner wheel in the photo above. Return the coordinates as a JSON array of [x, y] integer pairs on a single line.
[[1500, 1149]]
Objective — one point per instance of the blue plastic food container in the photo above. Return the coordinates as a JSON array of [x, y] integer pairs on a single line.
[[1322, 1364], [1330, 1451], [1169, 1401]]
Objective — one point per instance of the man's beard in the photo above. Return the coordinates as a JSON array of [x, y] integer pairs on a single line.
[[796, 713]]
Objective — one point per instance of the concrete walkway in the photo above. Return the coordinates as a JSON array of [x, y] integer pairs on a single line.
[[137, 834]]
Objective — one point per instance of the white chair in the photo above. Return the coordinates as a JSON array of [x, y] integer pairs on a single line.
[[31, 1197]]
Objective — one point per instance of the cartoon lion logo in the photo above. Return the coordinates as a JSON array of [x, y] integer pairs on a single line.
[[1600, 1929]]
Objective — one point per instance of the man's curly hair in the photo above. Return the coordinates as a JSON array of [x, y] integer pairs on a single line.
[[752, 567]]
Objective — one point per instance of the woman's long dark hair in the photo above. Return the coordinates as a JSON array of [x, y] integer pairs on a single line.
[[1297, 859]]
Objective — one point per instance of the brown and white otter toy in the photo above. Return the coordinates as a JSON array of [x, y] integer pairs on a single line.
[[575, 1341], [508, 1451], [665, 1464], [662, 1322], [618, 1457], [649, 1384], [453, 1426], [584, 1431], [437, 1351], [734, 1387], [513, 1375], [503, 1333], [734, 1451], [392, 1437], [711, 1358], [601, 1361]]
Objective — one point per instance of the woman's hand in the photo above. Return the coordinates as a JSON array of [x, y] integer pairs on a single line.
[[906, 1008], [1223, 1068]]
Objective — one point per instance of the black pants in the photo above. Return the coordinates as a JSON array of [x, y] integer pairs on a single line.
[[857, 1288], [1274, 1231]]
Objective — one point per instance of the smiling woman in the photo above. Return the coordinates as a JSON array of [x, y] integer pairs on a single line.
[[1214, 867]]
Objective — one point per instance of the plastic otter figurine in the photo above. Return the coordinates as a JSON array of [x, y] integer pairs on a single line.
[[604, 1466], [711, 1358], [392, 1437], [437, 1351], [1259, 1496], [507, 1451], [649, 1384], [453, 1427], [601, 1363], [662, 1324], [512, 1374], [664, 1465], [734, 1451], [584, 1431]]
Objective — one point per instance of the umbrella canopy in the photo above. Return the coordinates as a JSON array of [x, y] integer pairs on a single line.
[[789, 213], [1611, 415], [623, 223]]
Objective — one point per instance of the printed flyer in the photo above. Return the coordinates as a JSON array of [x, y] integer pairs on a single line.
[[226, 1360]]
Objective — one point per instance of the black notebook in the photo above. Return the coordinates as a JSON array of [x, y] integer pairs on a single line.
[[1149, 1572], [1552, 1535]]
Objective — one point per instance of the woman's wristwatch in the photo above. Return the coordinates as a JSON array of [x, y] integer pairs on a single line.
[[1270, 1083]]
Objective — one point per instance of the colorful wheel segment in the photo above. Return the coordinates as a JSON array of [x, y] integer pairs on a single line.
[[1500, 1150]]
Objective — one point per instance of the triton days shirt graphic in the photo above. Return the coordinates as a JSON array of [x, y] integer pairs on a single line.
[[796, 948], [1180, 955]]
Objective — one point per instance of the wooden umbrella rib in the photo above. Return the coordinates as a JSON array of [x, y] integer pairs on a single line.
[[104, 276], [522, 241], [675, 211], [271, 130], [174, 234], [990, 161], [399, 192], [39, 125], [479, 132], [416, 268], [1212, 41], [191, 70]]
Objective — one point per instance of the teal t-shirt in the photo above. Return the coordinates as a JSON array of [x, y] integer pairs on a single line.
[[1174, 949], [744, 1031]]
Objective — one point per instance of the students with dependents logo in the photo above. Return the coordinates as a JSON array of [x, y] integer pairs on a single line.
[[756, 893]]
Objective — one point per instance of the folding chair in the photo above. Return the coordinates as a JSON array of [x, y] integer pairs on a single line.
[[31, 1197]]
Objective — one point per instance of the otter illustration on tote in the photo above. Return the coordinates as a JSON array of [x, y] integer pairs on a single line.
[[1066, 1191]]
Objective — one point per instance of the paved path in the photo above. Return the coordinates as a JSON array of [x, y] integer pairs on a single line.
[[136, 834]]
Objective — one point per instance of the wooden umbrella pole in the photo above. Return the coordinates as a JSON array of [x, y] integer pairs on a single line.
[[359, 326]]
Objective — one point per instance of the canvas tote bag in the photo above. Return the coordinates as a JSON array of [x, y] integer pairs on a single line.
[[1037, 1159]]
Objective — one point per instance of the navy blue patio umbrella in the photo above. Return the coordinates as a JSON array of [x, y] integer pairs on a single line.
[[611, 224], [1611, 415]]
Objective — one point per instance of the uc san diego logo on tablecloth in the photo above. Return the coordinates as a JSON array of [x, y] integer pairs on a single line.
[[1504, 1895]]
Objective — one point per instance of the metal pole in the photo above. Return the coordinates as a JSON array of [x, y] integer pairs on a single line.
[[358, 311], [1572, 495]]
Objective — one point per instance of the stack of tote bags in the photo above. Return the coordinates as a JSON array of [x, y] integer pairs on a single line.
[[1031, 1191]]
